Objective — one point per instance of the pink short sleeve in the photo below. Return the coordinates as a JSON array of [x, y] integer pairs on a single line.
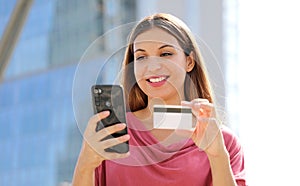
[[236, 153]]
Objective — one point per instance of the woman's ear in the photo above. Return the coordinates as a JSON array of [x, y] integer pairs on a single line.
[[190, 62]]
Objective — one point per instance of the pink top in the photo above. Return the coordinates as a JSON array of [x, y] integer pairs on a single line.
[[153, 164]]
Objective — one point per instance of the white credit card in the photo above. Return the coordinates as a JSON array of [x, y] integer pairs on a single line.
[[172, 117]]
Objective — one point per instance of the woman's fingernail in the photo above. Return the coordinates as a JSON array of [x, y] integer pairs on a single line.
[[185, 102], [106, 112], [197, 104], [125, 137], [121, 125]]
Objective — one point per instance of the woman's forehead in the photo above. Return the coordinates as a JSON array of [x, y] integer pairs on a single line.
[[155, 36]]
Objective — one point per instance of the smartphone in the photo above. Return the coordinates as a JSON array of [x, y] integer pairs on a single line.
[[111, 98]]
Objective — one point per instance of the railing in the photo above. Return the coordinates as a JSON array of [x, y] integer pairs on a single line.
[[12, 32]]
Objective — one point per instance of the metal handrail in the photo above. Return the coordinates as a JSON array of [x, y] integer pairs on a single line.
[[12, 32]]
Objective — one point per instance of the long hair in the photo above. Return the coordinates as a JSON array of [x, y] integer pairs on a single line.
[[196, 83]]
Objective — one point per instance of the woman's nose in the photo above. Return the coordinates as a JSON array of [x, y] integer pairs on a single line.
[[154, 64]]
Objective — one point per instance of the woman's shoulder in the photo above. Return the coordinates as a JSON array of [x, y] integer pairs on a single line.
[[227, 131], [231, 139]]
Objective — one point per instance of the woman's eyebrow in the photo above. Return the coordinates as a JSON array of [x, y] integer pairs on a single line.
[[164, 46], [139, 50], [161, 47]]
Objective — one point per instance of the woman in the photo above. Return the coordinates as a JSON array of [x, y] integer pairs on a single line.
[[162, 65]]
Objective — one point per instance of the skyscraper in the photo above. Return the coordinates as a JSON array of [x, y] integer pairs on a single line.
[[39, 137]]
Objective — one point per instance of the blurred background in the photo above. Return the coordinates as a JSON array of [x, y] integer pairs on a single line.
[[254, 72]]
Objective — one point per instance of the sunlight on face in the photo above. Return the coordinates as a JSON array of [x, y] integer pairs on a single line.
[[160, 64]]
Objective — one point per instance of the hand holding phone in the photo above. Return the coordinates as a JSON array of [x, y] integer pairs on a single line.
[[111, 98]]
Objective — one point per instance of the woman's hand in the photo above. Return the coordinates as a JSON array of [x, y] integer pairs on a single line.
[[207, 134], [93, 149]]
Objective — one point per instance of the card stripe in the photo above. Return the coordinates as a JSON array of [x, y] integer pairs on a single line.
[[173, 110]]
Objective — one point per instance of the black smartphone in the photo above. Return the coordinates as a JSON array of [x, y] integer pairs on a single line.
[[111, 98]]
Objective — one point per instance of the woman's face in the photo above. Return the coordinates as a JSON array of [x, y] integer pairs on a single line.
[[160, 65]]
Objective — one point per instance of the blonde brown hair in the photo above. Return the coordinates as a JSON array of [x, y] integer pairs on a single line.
[[196, 82]]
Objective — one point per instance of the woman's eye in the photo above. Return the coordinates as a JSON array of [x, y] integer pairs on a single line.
[[140, 58], [166, 54]]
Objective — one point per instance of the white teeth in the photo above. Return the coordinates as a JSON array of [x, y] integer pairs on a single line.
[[156, 80]]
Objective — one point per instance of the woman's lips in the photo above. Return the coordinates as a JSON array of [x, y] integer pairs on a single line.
[[157, 81]]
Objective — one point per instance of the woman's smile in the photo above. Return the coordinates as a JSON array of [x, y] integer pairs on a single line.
[[157, 81]]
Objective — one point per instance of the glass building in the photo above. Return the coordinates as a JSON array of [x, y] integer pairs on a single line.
[[39, 136]]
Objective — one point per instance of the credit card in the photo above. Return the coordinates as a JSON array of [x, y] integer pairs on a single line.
[[172, 117]]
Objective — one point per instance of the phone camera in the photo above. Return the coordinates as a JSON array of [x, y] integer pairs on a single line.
[[97, 91], [108, 104]]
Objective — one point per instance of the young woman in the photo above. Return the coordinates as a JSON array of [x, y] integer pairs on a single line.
[[163, 65]]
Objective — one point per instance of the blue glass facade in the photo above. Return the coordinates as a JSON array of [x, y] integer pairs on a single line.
[[5, 11], [38, 134], [33, 40], [39, 137]]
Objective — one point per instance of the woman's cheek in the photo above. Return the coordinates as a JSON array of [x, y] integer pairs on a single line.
[[179, 71], [138, 71]]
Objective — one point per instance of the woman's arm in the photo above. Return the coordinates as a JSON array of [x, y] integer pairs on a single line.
[[208, 136], [93, 151], [221, 169], [84, 174]]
